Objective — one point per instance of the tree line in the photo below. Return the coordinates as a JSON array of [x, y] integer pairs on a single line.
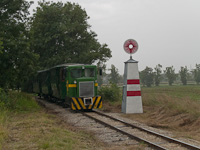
[[149, 76], [57, 33]]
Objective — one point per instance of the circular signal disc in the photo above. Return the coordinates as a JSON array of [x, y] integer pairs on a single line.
[[130, 46]]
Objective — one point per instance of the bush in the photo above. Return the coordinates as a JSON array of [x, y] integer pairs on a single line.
[[111, 93]]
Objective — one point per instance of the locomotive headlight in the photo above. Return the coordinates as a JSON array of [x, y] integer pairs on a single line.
[[75, 82]]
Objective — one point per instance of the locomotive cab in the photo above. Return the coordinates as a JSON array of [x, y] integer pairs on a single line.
[[72, 84], [84, 86]]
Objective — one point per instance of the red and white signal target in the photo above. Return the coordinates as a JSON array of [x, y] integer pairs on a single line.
[[130, 46]]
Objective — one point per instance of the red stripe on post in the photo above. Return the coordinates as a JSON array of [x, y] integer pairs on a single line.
[[133, 93], [133, 81]]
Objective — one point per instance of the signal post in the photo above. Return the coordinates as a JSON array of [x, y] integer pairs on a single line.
[[132, 100]]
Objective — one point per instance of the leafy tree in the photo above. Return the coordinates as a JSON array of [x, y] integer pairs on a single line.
[[114, 75], [16, 60], [157, 74], [196, 73], [60, 33], [147, 76], [183, 74], [170, 74]]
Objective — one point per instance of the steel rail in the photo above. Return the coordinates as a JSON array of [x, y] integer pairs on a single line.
[[152, 145], [189, 146]]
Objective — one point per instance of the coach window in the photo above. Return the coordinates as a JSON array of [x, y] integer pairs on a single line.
[[63, 74]]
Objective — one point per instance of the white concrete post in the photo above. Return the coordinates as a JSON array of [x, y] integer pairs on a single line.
[[132, 101]]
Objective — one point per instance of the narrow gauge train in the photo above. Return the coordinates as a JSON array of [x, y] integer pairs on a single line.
[[73, 84]]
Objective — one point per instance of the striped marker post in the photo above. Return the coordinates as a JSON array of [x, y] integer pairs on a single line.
[[132, 100]]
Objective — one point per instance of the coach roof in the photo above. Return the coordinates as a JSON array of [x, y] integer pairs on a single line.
[[64, 65]]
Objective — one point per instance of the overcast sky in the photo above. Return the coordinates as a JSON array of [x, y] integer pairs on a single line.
[[167, 31]]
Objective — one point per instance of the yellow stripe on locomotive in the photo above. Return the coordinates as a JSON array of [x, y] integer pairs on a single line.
[[86, 103]]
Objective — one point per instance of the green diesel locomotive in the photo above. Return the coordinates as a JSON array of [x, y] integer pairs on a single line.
[[73, 84]]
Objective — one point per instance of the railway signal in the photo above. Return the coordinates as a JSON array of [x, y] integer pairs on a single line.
[[132, 100], [130, 46]]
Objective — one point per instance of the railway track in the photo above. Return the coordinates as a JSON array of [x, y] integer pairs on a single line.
[[152, 139]]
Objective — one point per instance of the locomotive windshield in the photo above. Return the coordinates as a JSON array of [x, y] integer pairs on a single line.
[[76, 73], [87, 72]]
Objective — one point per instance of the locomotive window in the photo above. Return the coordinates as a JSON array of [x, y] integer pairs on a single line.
[[89, 72], [76, 73]]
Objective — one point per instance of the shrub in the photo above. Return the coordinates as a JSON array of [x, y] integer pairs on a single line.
[[111, 93]]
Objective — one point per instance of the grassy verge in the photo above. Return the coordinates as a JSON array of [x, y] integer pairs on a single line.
[[40, 130], [10, 104], [25, 125], [175, 108]]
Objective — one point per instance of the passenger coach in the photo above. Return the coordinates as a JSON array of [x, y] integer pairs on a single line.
[[73, 84]]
